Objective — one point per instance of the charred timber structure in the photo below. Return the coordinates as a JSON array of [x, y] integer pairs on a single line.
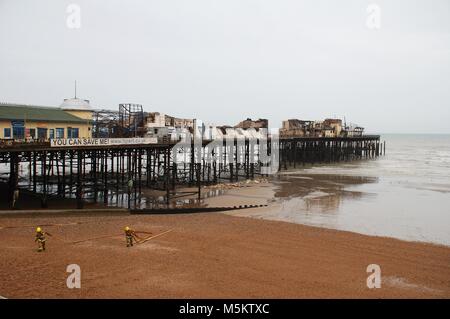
[[118, 175], [313, 150]]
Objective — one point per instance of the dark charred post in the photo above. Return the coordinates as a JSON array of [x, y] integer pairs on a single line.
[[63, 185], [34, 172], [158, 165], [118, 154], [147, 167], [94, 174], [323, 152], [121, 169], [331, 149], [79, 192], [191, 164], [384, 147], [12, 179], [294, 153], [309, 158], [139, 169], [154, 165], [70, 172], [128, 184], [102, 164], [166, 175], [302, 153], [30, 160], [59, 183], [366, 149], [83, 160], [113, 155], [285, 156], [280, 150], [50, 165], [214, 165], [105, 176], [44, 179], [203, 166], [134, 175], [135, 166], [372, 148], [174, 174], [308, 153], [129, 173]]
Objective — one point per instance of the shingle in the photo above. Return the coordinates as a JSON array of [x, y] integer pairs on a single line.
[[36, 113]]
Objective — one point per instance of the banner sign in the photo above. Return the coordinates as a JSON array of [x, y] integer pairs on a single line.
[[19, 123], [77, 142]]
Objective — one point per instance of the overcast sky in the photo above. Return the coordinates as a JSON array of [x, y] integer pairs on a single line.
[[223, 61]]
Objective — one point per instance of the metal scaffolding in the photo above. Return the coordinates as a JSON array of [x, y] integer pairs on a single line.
[[131, 120]]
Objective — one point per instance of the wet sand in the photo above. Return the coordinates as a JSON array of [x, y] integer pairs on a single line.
[[212, 255], [370, 205]]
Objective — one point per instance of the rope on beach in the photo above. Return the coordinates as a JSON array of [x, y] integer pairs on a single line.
[[94, 238], [151, 237], [88, 239], [110, 236]]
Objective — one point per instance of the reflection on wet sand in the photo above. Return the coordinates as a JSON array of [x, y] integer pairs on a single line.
[[182, 198], [318, 192], [149, 198]]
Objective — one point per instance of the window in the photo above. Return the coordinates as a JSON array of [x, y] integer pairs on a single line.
[[52, 133], [18, 132], [59, 133], [7, 132], [72, 132], [32, 132], [42, 133]]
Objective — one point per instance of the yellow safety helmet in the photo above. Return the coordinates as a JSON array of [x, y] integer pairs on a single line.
[[38, 230], [127, 228]]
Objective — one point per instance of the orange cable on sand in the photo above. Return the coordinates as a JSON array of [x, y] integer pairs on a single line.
[[151, 237], [94, 238]]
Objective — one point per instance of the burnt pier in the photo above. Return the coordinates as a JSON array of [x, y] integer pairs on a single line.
[[118, 175]]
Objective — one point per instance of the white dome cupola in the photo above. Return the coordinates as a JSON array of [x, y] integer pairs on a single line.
[[76, 104], [78, 107]]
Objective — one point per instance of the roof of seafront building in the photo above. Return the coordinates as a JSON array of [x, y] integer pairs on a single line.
[[11, 111]]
